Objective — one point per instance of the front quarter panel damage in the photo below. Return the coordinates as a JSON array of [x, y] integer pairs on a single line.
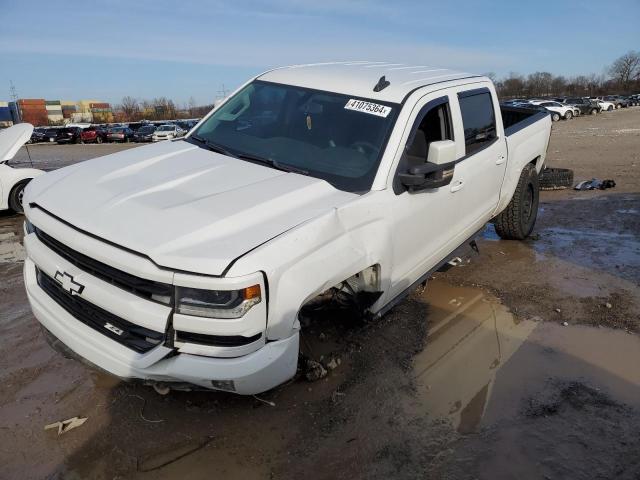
[[317, 255]]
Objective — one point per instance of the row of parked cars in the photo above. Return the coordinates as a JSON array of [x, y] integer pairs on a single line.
[[569, 107], [132, 132]]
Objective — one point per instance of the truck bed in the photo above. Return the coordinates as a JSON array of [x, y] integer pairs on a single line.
[[515, 119]]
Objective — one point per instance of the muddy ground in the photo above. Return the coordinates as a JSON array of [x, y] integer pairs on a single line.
[[475, 376]]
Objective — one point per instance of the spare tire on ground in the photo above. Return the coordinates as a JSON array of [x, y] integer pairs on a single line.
[[556, 178]]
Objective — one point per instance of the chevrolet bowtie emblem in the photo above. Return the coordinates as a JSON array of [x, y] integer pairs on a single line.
[[67, 282]]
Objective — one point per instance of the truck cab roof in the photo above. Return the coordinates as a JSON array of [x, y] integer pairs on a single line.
[[360, 78]]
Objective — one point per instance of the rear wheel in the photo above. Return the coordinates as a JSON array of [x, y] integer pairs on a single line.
[[610, 108], [16, 195], [98, 139], [517, 220], [568, 115]]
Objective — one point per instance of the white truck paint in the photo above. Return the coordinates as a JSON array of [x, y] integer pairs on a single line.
[[13, 180], [202, 253]]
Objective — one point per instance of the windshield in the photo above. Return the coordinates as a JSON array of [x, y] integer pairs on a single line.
[[146, 130], [166, 128], [326, 135]]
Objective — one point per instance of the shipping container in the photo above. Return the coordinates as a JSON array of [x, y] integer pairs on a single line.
[[31, 101], [53, 107], [5, 114], [52, 102], [4, 104]]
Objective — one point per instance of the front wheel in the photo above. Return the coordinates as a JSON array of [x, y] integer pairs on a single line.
[[594, 111], [98, 139], [517, 220], [16, 195], [555, 117], [610, 108], [568, 115]]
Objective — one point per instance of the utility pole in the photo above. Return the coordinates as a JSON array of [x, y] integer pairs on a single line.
[[222, 93], [14, 98]]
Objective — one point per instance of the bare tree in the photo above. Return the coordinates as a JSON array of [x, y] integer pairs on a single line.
[[130, 108], [625, 69]]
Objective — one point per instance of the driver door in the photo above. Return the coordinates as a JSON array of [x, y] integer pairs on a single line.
[[425, 222]]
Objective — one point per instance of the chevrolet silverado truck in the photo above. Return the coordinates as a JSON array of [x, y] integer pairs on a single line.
[[186, 263]]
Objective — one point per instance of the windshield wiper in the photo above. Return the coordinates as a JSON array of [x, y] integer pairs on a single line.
[[214, 147], [272, 163]]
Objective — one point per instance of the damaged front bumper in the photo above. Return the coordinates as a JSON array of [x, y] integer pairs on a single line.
[[261, 370]]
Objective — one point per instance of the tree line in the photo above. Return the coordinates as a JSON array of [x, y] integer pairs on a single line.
[[132, 109], [622, 77]]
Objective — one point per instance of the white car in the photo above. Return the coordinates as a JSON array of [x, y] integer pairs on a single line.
[[14, 180], [557, 109], [167, 132], [189, 262], [605, 106]]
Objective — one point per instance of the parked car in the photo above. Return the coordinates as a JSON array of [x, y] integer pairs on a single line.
[[69, 135], [14, 180], [604, 105], [93, 135], [167, 132], [50, 135], [584, 105], [557, 109], [37, 135], [634, 100], [618, 101], [144, 134], [120, 134], [189, 262]]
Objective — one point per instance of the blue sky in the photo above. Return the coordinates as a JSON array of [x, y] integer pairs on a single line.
[[183, 48]]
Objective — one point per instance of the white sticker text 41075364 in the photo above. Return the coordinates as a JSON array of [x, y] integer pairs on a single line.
[[368, 107]]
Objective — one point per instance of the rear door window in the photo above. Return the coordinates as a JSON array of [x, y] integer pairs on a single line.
[[478, 119]]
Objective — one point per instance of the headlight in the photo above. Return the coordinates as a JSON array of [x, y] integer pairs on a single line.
[[28, 227], [216, 303]]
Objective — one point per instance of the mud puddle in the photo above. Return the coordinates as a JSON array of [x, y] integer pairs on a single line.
[[545, 394], [11, 246]]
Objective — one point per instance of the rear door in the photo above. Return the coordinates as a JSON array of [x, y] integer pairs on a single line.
[[481, 171]]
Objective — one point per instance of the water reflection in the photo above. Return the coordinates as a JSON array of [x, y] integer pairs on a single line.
[[471, 336]]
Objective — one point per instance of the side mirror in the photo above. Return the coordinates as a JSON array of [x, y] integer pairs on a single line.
[[436, 172], [442, 152]]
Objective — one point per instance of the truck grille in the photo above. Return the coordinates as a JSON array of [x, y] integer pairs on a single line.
[[137, 338], [138, 286]]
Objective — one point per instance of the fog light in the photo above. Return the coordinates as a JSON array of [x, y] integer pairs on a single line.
[[226, 385]]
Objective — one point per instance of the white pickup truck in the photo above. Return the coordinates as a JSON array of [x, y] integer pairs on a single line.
[[187, 262]]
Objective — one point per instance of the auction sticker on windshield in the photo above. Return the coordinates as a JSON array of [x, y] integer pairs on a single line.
[[368, 107]]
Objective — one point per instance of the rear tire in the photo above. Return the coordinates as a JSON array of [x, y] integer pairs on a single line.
[[568, 115], [98, 139], [517, 220], [16, 195], [610, 108]]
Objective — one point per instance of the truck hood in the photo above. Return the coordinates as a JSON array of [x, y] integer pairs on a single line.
[[184, 207], [12, 139]]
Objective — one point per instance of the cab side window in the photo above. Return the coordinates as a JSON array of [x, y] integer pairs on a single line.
[[478, 119]]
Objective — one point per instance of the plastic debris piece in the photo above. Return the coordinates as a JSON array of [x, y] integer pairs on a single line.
[[65, 425]]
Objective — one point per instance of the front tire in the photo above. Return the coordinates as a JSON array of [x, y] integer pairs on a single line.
[[568, 115], [594, 111], [555, 117], [610, 108], [16, 195], [517, 220]]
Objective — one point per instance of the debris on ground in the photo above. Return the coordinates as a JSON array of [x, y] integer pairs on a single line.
[[595, 184], [314, 371], [333, 363], [555, 178], [565, 324], [608, 305], [65, 425]]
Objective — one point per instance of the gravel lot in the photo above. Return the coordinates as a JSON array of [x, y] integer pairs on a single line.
[[475, 377]]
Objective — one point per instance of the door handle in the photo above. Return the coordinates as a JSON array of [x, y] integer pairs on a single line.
[[500, 160], [457, 186]]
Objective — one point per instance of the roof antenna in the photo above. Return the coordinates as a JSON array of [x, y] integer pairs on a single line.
[[382, 84]]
